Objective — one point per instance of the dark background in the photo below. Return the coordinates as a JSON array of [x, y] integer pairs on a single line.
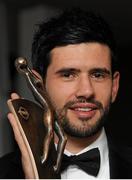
[[119, 15]]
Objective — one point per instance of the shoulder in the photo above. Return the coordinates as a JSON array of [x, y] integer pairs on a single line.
[[120, 149], [120, 157], [10, 166]]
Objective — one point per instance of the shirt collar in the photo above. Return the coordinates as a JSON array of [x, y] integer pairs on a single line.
[[101, 143]]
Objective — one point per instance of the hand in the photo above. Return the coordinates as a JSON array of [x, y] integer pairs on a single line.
[[26, 162]]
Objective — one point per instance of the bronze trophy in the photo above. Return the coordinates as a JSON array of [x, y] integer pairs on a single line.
[[37, 125]]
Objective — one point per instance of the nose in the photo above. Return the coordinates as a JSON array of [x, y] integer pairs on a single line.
[[85, 88]]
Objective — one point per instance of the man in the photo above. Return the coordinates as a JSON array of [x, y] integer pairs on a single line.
[[75, 54]]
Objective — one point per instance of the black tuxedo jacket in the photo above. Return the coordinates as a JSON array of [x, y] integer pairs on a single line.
[[120, 159]]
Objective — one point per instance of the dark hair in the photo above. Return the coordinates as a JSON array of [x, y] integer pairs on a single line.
[[71, 27]]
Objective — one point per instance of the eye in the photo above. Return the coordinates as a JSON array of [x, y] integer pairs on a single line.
[[68, 75], [99, 76]]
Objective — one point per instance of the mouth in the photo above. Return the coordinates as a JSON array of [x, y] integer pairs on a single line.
[[84, 110]]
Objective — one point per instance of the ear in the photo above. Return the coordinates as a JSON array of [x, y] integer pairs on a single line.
[[37, 74], [115, 85]]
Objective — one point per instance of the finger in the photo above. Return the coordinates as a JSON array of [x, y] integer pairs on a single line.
[[26, 161], [17, 133], [14, 96]]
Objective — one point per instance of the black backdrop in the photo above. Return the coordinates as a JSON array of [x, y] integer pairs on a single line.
[[119, 14]]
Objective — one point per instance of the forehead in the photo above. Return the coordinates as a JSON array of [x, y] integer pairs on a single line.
[[81, 55]]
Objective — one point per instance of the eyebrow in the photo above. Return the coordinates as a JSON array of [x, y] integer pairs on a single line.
[[94, 69], [63, 70], [101, 70]]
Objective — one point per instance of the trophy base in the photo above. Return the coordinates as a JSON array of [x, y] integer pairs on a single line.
[[29, 117]]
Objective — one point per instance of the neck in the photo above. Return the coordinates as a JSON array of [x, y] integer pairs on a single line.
[[75, 144]]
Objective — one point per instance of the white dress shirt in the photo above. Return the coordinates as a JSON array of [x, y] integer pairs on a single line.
[[73, 172]]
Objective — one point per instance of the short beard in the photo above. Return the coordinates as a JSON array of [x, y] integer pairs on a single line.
[[73, 131], [80, 132]]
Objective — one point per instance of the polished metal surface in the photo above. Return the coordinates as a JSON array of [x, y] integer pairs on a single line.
[[36, 85]]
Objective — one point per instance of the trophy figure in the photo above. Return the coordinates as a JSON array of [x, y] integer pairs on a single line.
[[37, 124]]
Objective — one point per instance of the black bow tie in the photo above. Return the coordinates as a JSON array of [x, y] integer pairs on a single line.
[[88, 161]]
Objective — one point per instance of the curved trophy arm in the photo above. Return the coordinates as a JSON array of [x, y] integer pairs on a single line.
[[37, 87], [34, 82]]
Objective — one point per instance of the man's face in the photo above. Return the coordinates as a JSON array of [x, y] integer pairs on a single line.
[[79, 79]]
